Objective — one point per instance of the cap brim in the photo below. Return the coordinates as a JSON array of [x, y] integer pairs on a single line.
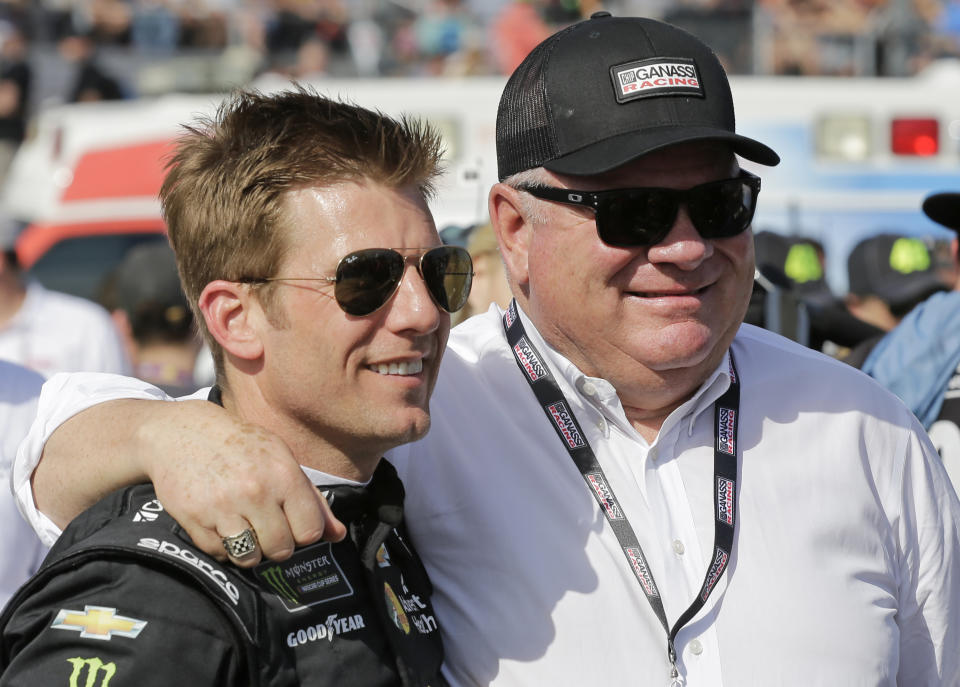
[[944, 208], [618, 150]]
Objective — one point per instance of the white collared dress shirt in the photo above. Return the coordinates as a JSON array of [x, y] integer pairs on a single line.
[[845, 568]]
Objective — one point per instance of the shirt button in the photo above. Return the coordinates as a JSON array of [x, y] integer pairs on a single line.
[[678, 548], [602, 425], [696, 648], [589, 389]]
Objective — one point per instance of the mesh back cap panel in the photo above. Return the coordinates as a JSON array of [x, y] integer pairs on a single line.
[[525, 133]]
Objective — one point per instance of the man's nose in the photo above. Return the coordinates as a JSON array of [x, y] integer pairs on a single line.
[[412, 308], [683, 245]]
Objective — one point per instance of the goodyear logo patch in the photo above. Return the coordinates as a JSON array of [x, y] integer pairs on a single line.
[[528, 360], [640, 569], [656, 77], [564, 422], [605, 496], [716, 569], [333, 627], [725, 496], [725, 441]]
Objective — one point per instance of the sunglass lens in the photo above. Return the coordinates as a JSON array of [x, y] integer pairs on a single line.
[[639, 217], [448, 273], [366, 279], [722, 209]]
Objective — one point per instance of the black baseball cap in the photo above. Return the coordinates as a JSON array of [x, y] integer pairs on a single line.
[[898, 269], [607, 90], [148, 289], [944, 208]]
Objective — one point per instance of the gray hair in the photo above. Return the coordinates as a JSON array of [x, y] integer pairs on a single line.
[[530, 206]]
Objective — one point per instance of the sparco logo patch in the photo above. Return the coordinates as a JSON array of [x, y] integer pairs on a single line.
[[529, 360], [725, 442], [510, 316], [218, 577], [716, 569], [725, 494], [641, 570], [655, 77], [605, 496], [568, 430]]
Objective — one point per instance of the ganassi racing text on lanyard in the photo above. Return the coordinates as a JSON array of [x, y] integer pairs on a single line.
[[558, 410]]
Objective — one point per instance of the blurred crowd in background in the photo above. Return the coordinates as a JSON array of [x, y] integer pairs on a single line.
[[55, 51], [141, 45]]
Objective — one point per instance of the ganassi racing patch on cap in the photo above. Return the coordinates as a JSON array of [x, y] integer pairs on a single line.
[[655, 77]]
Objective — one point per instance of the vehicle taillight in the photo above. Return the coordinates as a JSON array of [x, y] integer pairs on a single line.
[[918, 137]]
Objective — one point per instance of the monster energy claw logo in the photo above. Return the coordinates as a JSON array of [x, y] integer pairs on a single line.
[[99, 673], [274, 577]]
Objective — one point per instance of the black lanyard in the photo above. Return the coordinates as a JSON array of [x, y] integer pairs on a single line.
[[561, 416]]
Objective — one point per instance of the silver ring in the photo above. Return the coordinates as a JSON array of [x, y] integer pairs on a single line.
[[240, 545]]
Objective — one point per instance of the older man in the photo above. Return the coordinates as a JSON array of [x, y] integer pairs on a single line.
[[623, 485], [303, 238]]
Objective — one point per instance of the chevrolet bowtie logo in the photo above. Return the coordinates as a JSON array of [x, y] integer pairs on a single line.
[[98, 622]]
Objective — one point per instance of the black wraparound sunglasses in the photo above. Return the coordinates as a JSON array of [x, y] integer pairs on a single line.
[[367, 279], [631, 217]]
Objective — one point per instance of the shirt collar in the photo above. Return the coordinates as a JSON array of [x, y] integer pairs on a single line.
[[325, 479], [602, 395]]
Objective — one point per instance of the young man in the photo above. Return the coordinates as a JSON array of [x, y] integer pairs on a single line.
[[622, 485], [304, 241]]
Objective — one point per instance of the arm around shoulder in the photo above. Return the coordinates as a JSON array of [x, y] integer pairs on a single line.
[[213, 472]]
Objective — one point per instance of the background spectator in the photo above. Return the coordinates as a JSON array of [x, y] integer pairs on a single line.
[[90, 81], [49, 331], [889, 275], [15, 79], [155, 319]]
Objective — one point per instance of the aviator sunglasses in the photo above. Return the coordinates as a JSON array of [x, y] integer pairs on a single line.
[[367, 279], [632, 217]]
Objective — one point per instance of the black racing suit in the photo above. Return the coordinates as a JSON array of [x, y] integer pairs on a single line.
[[125, 598]]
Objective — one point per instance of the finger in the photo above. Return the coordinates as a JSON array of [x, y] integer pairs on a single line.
[[309, 516], [209, 541], [235, 528], [273, 531]]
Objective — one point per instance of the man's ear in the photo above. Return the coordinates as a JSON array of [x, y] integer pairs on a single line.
[[231, 313], [513, 230]]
